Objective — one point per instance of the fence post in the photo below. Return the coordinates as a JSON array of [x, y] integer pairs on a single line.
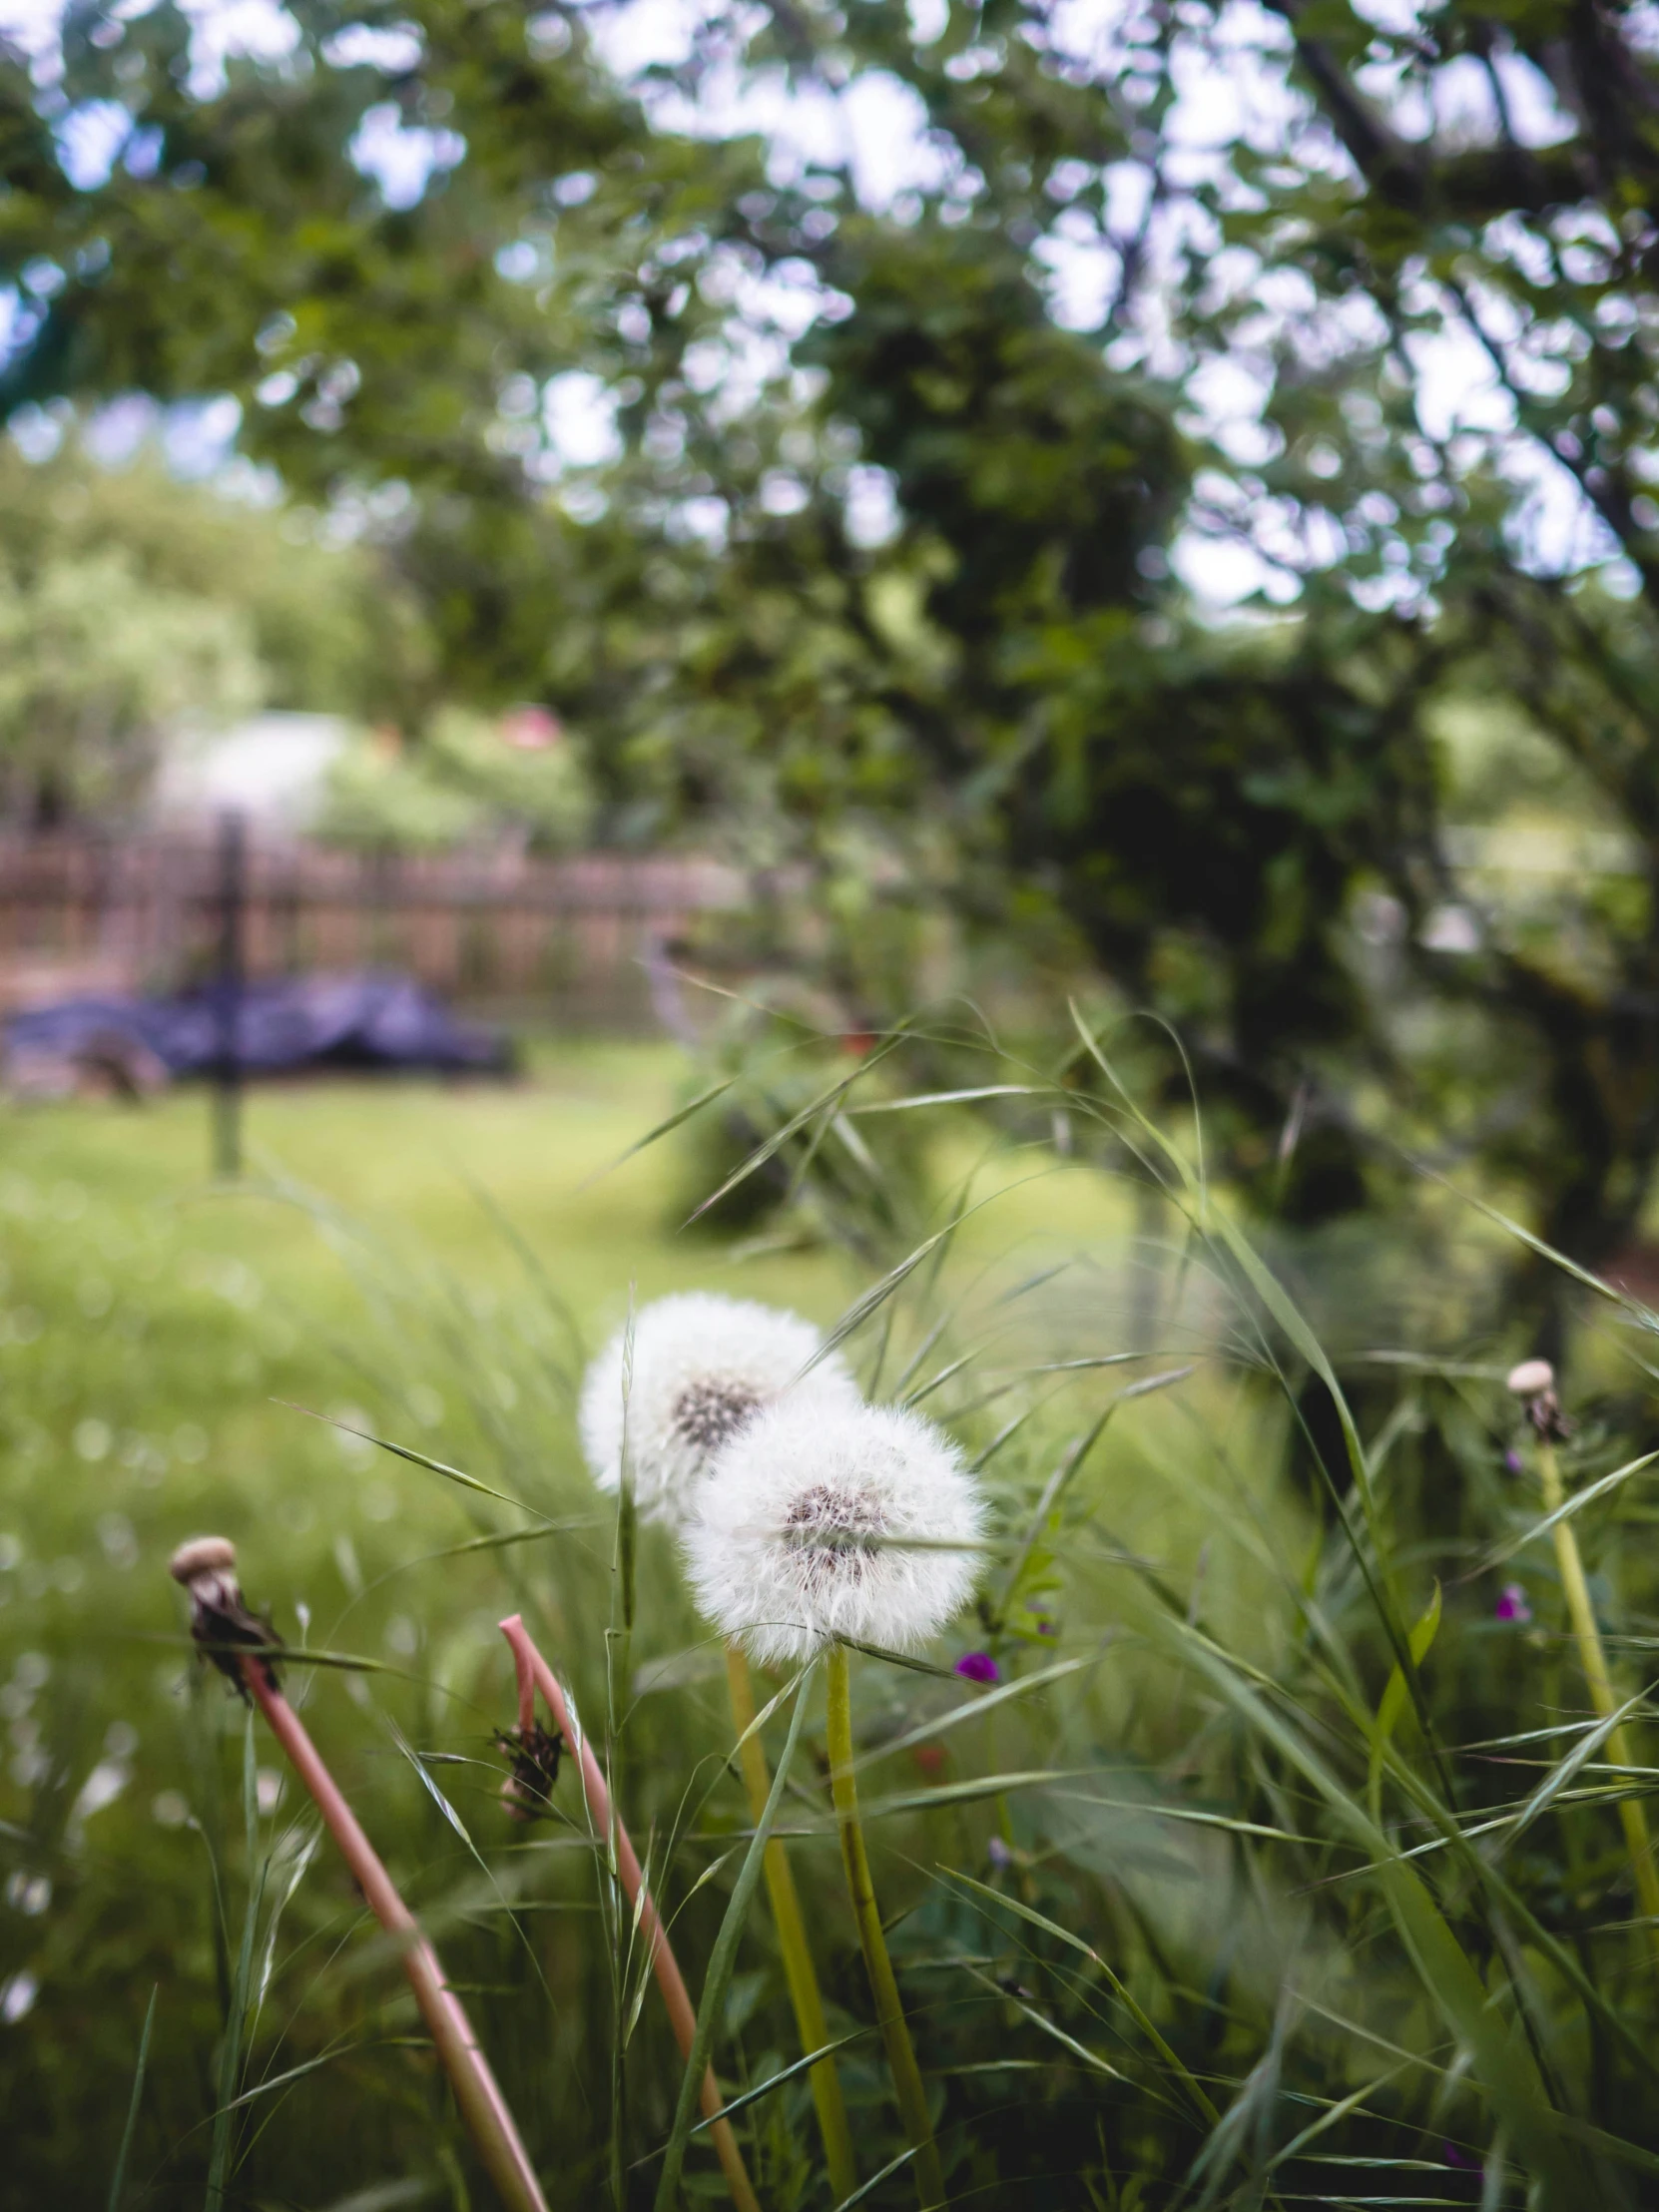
[[233, 902]]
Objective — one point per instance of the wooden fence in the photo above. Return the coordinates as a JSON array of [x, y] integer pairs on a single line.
[[577, 938]]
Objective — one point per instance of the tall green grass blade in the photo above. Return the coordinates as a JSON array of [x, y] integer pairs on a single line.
[[913, 1366], [118, 2180], [1048, 1503], [417, 1459], [826, 1100], [1194, 2088], [618, 1649], [976, 1708], [872, 1300], [1220, 1230], [1502, 2062], [1591, 1495], [291, 2074], [1393, 1700], [951, 1099], [676, 1120], [1080, 2052], [1549, 1252], [1566, 1768], [867, 2189], [721, 1961], [230, 2062], [777, 2080]]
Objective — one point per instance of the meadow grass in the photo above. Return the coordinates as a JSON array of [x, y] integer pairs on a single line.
[[1276, 1869], [156, 1334]]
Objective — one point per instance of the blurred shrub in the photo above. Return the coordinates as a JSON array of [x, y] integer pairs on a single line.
[[470, 778], [328, 624], [770, 1158]]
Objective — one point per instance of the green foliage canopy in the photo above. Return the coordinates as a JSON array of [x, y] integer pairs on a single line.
[[1010, 701]]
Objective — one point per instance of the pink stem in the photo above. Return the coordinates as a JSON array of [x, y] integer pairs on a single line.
[[526, 1675], [532, 1667], [483, 2107]]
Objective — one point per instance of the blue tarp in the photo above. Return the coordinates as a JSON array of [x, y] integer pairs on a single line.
[[367, 1020]]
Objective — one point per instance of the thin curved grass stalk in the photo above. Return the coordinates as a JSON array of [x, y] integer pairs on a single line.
[[482, 2106], [221, 2149], [118, 2180], [889, 2011], [534, 1674], [798, 1971], [618, 1639], [224, 1628], [1594, 1659], [478, 2095]]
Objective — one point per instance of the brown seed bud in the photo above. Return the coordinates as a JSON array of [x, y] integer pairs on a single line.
[[1532, 1379], [219, 1620], [214, 1555]]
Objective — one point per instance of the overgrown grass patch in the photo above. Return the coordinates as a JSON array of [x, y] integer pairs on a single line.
[[1188, 1908]]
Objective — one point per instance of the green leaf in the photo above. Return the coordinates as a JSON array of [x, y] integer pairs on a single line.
[[1395, 1698]]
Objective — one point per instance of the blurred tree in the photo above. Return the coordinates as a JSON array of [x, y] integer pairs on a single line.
[[330, 626], [1160, 291], [1471, 194], [93, 664]]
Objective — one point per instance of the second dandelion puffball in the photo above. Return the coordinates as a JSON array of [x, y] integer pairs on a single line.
[[819, 1523], [702, 1366]]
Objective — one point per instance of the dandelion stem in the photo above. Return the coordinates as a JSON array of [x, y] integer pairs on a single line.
[[533, 1668], [890, 2012], [1594, 1659], [798, 1971], [481, 2104]]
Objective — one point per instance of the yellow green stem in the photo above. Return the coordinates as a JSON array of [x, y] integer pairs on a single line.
[[1594, 1659], [798, 1971], [890, 2012]]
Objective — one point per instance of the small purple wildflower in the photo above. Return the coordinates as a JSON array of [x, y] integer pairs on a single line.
[[998, 1853], [1515, 1462], [1513, 1605], [978, 1666], [1456, 2157]]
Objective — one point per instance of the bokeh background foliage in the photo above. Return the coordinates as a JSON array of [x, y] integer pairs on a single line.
[[880, 546], [1191, 1910]]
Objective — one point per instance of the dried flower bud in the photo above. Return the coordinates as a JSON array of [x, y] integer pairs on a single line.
[[534, 1752], [219, 1620], [1533, 1383], [1532, 1379], [206, 1566]]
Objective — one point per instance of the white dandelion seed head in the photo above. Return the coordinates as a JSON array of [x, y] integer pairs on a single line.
[[798, 1534], [703, 1366]]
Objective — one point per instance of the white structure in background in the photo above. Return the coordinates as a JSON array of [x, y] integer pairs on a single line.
[[272, 769]]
